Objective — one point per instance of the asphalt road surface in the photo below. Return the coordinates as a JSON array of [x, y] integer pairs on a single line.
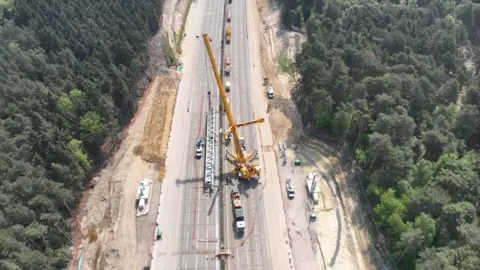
[[248, 249], [189, 214]]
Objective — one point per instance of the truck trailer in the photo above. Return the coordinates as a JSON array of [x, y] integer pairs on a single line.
[[228, 34], [313, 187], [238, 210]]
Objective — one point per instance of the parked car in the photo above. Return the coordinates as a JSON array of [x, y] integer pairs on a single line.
[[270, 92], [198, 152], [290, 190]]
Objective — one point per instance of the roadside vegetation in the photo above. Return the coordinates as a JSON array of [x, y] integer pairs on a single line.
[[400, 84], [68, 80], [180, 36]]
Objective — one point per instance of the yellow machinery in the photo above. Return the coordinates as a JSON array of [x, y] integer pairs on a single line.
[[243, 163]]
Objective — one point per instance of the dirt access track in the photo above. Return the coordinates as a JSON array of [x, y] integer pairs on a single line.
[[123, 241]]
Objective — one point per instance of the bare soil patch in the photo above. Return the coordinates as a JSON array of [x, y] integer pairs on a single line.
[[154, 143]]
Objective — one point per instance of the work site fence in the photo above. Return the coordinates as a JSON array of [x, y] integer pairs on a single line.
[[78, 217]]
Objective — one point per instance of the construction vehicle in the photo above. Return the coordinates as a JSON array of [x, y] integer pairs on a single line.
[[313, 187], [246, 166], [228, 34], [238, 210], [143, 196], [227, 65]]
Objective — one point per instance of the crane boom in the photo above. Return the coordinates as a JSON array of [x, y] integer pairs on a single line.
[[242, 163], [261, 120]]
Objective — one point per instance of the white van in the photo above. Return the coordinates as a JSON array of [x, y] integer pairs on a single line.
[[270, 92], [227, 86], [229, 15]]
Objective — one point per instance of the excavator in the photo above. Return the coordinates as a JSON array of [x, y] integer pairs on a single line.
[[244, 164]]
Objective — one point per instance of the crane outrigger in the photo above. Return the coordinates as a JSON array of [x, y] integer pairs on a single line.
[[244, 163]]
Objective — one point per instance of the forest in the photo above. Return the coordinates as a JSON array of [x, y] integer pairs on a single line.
[[399, 82], [69, 73]]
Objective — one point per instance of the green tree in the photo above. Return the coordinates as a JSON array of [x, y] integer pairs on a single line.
[[430, 200], [390, 212], [466, 121], [75, 146], [342, 120], [66, 104], [91, 127], [453, 216], [287, 66]]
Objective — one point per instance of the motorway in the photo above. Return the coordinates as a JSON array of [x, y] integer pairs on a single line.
[[188, 214], [249, 249]]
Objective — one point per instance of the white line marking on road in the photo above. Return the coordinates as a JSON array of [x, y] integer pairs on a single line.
[[188, 214]]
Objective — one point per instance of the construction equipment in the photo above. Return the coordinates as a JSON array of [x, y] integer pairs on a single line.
[[244, 164], [228, 34], [143, 196], [238, 210], [313, 187]]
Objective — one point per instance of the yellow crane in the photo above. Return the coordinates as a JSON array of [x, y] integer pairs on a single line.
[[244, 164]]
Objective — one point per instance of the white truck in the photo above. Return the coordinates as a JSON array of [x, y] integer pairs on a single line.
[[227, 86], [143, 196], [313, 187], [238, 210]]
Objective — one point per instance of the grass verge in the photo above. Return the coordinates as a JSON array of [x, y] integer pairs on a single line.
[[182, 29], [169, 53]]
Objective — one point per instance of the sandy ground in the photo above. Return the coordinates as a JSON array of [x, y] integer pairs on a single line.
[[154, 143], [339, 239]]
